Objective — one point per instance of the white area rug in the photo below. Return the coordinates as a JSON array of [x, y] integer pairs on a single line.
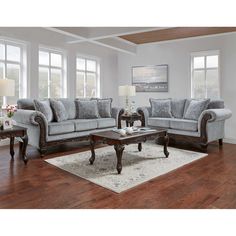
[[138, 167]]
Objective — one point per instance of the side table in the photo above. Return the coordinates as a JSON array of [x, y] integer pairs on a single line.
[[21, 134], [130, 119]]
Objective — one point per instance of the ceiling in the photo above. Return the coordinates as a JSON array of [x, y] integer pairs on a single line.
[[126, 39]]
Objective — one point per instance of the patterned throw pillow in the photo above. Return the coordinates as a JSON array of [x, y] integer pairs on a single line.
[[87, 109], [58, 110], [161, 108], [195, 108], [104, 107], [45, 108]]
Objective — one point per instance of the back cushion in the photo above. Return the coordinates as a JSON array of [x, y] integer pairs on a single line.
[[177, 107], [87, 109], [216, 104], [26, 104], [70, 107]]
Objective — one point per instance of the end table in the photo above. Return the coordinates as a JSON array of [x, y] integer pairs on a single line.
[[21, 134], [130, 118]]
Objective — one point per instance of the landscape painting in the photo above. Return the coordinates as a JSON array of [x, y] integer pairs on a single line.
[[150, 78]]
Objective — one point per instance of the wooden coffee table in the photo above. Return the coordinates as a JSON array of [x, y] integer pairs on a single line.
[[119, 142]]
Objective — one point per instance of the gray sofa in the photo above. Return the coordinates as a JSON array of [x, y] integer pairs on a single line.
[[208, 127], [43, 134]]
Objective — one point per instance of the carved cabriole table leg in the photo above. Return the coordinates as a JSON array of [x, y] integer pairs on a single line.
[[166, 142], [12, 147], [119, 148], [92, 145], [23, 149]]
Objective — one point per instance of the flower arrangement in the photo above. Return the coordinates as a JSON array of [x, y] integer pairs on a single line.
[[11, 109]]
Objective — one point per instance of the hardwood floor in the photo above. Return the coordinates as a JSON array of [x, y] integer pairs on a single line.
[[207, 183]]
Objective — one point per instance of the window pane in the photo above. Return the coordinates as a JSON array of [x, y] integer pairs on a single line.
[[13, 72], [198, 84], [91, 65], [80, 64], [198, 62], [91, 85], [13, 53], [1, 71], [80, 78], [56, 83], [43, 58], [56, 60], [212, 79], [43, 82], [2, 51], [212, 61]]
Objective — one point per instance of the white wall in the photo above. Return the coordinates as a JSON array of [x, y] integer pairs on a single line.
[[177, 55]]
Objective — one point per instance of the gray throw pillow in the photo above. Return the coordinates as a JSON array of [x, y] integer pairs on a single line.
[[45, 108], [87, 109], [195, 108], [58, 110], [161, 108], [104, 107], [177, 107]]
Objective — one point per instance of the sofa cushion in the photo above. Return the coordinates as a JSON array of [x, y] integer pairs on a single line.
[[183, 124], [63, 127], [85, 124], [104, 107], [25, 104], [45, 108], [70, 107], [160, 107], [59, 111], [177, 107], [106, 122], [159, 122], [87, 109], [195, 108], [216, 104]]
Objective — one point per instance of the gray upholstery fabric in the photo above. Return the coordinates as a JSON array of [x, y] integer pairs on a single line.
[[58, 109], [159, 122], [183, 132], [195, 108], [115, 113], [216, 104], [161, 107], [183, 124], [61, 128], [215, 130], [45, 108], [87, 109], [146, 111], [104, 107], [25, 103], [85, 124], [177, 107], [106, 122], [70, 107]]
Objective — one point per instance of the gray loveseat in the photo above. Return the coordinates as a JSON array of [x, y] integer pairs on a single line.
[[207, 127], [43, 134]]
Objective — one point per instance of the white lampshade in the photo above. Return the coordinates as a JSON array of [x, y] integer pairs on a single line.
[[127, 90], [7, 87]]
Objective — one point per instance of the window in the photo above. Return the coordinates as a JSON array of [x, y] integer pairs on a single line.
[[205, 75], [87, 78], [11, 67], [51, 74]]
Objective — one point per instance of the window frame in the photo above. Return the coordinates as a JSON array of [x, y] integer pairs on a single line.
[[97, 74], [22, 64], [51, 67], [205, 54]]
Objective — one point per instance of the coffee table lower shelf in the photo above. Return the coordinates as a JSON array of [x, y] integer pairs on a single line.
[[119, 142]]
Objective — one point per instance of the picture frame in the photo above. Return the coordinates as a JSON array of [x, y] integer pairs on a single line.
[[7, 123], [152, 78]]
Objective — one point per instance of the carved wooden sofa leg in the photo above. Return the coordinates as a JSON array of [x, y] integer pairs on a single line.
[[204, 147], [42, 152], [221, 142]]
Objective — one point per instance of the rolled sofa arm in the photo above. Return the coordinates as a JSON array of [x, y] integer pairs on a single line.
[[116, 113], [217, 114], [145, 112]]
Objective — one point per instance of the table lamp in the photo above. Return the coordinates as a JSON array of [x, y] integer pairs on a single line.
[[7, 88], [127, 91]]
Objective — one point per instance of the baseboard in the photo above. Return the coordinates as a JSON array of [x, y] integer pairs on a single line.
[[230, 140]]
